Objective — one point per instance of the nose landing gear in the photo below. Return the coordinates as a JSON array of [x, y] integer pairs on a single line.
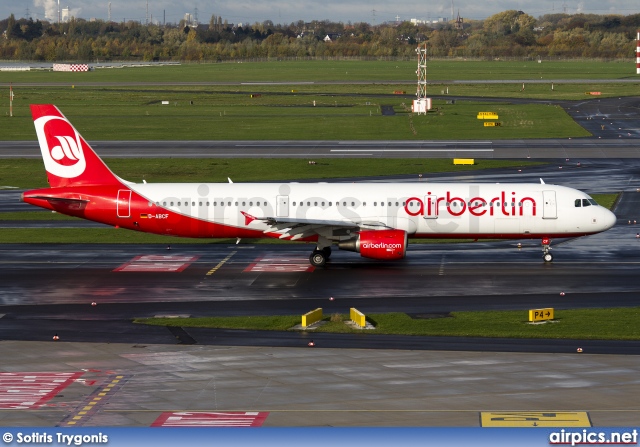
[[546, 250]]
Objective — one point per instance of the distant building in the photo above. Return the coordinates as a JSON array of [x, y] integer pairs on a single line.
[[65, 15], [189, 20], [459, 22], [331, 37]]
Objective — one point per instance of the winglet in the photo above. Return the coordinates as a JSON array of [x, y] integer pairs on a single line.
[[248, 218], [542, 182]]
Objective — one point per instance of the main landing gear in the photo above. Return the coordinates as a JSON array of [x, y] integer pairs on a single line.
[[546, 250], [319, 257]]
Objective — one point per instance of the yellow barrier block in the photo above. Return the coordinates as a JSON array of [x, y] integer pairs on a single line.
[[312, 317], [357, 317], [541, 314], [487, 116], [492, 124], [463, 161]]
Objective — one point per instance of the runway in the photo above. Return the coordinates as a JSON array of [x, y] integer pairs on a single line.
[[627, 147]]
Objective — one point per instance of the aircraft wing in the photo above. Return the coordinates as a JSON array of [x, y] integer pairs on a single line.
[[294, 228]]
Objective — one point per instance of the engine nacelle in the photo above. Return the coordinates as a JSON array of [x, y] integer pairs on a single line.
[[380, 244]]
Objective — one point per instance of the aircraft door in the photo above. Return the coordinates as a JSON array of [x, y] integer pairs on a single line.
[[123, 204], [282, 206], [430, 207], [549, 210]]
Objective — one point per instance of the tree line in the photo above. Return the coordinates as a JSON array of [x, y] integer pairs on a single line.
[[506, 34]]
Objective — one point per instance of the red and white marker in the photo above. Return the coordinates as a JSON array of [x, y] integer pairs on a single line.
[[311, 344], [638, 54], [561, 293]]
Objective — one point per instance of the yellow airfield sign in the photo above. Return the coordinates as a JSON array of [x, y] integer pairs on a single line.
[[487, 116], [541, 314], [534, 419]]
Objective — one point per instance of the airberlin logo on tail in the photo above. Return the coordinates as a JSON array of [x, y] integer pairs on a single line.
[[61, 147]]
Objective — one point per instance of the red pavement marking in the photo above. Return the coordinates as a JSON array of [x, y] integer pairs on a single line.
[[207, 419], [280, 265], [28, 390], [157, 263]]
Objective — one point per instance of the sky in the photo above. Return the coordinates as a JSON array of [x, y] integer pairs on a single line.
[[287, 11]]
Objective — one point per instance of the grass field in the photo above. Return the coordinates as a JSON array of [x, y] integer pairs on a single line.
[[344, 110], [30, 173], [579, 324], [137, 114], [345, 70]]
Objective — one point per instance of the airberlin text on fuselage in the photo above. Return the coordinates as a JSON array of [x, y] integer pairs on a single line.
[[477, 206]]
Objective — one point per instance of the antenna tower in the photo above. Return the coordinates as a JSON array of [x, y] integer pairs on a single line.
[[146, 20], [109, 15], [422, 104]]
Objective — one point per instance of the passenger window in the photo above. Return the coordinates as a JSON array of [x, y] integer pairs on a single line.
[[322, 203], [364, 203], [236, 203], [585, 202], [194, 204], [330, 203], [353, 204], [315, 203], [164, 203]]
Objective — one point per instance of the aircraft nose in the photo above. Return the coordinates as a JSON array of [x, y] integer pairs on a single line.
[[609, 219]]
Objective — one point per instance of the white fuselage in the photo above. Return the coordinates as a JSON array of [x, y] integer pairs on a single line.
[[420, 209]]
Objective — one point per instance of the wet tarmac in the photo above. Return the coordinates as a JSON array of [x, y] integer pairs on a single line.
[[345, 380]]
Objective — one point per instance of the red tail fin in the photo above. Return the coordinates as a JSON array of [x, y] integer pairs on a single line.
[[68, 158]]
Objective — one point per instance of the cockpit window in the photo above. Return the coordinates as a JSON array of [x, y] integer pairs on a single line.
[[593, 202], [585, 202], [578, 203]]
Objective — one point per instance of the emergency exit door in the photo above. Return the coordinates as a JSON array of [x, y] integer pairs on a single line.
[[549, 209], [282, 206], [123, 204]]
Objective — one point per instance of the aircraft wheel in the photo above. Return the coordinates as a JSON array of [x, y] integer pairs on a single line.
[[327, 252], [548, 257], [317, 259]]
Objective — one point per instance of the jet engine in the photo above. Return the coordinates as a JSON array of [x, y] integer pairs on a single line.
[[378, 244]]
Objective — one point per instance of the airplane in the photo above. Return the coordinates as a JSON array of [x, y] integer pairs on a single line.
[[373, 219]]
